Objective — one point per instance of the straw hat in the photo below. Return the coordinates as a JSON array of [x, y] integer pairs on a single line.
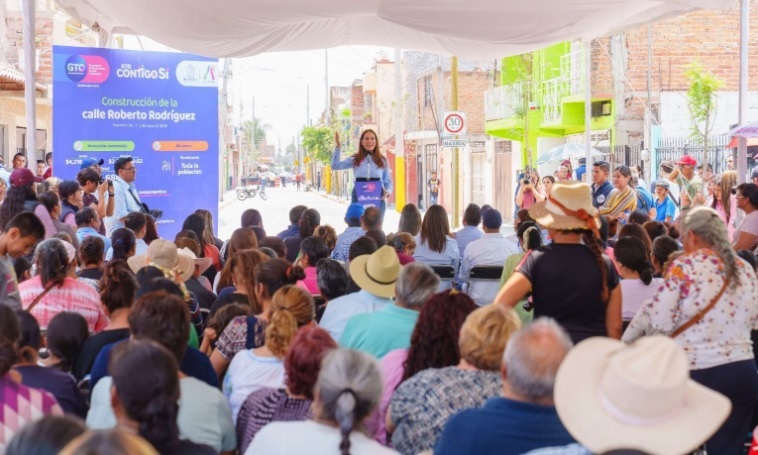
[[376, 272], [572, 195], [203, 263], [164, 254], [613, 396]]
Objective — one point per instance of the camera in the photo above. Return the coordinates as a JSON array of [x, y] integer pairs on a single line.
[[526, 182], [110, 183]]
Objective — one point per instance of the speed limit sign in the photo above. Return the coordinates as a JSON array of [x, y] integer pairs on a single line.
[[455, 123]]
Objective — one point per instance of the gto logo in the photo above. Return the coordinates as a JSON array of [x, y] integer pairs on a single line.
[[76, 68]]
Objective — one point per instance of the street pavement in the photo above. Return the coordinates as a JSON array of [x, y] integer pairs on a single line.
[[275, 210]]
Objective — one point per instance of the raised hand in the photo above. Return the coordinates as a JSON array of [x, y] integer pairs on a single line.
[[337, 142]]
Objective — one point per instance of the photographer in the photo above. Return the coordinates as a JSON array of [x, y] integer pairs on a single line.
[[91, 181], [530, 189], [126, 198]]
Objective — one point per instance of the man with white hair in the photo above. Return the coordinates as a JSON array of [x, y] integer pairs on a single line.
[[524, 417], [391, 327]]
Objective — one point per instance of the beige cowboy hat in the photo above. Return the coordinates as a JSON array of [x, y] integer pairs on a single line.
[[203, 263], [574, 196], [164, 254], [377, 272], [613, 396]]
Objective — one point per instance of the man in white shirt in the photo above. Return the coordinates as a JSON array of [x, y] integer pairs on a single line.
[[137, 223], [376, 275], [491, 250], [125, 193]]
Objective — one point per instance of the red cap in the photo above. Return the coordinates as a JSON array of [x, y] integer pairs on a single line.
[[687, 160], [22, 177]]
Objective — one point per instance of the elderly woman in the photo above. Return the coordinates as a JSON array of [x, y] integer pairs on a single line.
[[570, 280], [746, 235], [421, 405], [707, 304], [55, 288], [347, 390], [293, 402]]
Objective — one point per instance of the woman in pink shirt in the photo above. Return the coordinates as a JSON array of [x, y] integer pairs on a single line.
[[722, 201], [311, 250], [55, 289]]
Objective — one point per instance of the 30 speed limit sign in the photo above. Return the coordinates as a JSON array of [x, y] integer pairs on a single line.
[[455, 123]]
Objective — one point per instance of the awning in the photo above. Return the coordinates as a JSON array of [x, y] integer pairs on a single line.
[[477, 29], [13, 79]]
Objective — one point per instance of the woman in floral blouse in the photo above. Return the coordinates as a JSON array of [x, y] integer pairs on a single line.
[[718, 345]]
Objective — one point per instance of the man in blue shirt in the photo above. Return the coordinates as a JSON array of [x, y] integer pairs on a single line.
[[581, 170], [524, 417], [391, 327], [294, 228], [353, 232], [665, 208], [601, 187], [645, 200], [472, 216], [88, 224]]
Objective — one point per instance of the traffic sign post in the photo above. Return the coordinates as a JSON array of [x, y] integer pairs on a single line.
[[455, 123], [454, 142]]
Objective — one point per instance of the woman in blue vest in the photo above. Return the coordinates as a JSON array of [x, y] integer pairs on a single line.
[[70, 194], [368, 165]]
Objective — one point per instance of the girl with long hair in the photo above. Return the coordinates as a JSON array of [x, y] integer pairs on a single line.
[[435, 245], [291, 308], [722, 201], [242, 266], [368, 165], [248, 332], [124, 244], [637, 284], [570, 280], [410, 220], [196, 224]]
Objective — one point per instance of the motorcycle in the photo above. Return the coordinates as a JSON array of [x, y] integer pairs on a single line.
[[251, 192]]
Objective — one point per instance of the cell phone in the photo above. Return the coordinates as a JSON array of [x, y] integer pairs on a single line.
[[110, 183]]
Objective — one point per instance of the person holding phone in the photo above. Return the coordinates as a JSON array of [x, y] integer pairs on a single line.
[[530, 189], [368, 165]]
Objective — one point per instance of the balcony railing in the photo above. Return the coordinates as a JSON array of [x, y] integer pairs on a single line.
[[503, 102]]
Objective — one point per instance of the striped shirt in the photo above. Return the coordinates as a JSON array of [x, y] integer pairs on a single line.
[[72, 296], [265, 406], [21, 405], [619, 202]]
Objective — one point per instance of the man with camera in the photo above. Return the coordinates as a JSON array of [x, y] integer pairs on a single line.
[[91, 181], [690, 184], [125, 196]]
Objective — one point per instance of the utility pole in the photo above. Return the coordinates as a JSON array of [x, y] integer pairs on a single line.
[[399, 139], [743, 106], [327, 99], [456, 166], [30, 87]]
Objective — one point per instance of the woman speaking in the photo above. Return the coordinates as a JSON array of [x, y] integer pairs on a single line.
[[368, 165]]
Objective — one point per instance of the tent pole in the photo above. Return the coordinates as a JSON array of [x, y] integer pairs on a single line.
[[587, 106], [30, 85], [742, 146]]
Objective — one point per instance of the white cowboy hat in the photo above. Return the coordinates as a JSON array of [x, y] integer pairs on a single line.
[[377, 272], [612, 396], [576, 199], [203, 263], [163, 253]]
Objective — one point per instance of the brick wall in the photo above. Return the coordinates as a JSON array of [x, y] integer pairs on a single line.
[[44, 36], [471, 88], [709, 37]]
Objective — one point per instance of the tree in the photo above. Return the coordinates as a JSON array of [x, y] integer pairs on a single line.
[[248, 127], [701, 101], [318, 141]]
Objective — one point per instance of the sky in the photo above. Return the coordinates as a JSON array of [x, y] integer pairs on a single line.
[[280, 81]]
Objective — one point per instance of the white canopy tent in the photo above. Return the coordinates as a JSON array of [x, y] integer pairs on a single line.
[[475, 29]]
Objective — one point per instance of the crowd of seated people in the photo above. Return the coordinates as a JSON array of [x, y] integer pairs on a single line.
[[355, 340]]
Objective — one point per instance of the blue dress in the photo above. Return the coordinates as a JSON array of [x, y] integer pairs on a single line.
[[367, 170]]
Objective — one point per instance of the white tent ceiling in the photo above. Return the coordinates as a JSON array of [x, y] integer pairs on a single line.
[[474, 29]]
